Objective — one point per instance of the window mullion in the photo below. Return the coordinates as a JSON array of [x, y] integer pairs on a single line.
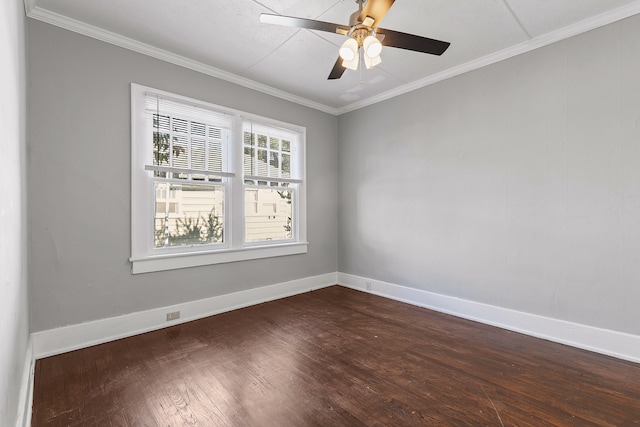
[[237, 203], [254, 165], [170, 132], [189, 148], [206, 143]]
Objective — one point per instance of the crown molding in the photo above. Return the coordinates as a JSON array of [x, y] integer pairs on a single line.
[[44, 15], [35, 12], [527, 46], [29, 5]]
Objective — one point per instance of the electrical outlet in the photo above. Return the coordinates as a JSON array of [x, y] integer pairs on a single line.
[[368, 286], [173, 315]]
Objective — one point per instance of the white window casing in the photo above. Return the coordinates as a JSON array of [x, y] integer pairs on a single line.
[[188, 156]]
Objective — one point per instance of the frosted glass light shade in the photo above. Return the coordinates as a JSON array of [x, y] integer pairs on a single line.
[[349, 50], [371, 62], [372, 47], [351, 64]]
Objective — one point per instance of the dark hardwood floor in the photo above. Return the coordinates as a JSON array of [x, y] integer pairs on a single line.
[[334, 357]]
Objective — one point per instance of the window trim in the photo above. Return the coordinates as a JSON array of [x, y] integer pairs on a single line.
[[234, 248], [179, 260]]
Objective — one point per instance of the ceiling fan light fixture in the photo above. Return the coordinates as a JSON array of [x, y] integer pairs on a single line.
[[372, 47], [371, 62], [362, 32], [349, 50], [351, 64]]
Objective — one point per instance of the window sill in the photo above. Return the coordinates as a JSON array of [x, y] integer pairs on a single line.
[[185, 260]]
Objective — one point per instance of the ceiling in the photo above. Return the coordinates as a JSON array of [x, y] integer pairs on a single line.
[[225, 39]]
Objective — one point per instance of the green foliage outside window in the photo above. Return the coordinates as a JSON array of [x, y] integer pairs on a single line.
[[285, 194], [190, 231]]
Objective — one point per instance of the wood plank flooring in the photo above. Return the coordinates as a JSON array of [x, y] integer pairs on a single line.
[[334, 357]]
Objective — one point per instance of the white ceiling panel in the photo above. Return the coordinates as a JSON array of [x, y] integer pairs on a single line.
[[227, 39], [544, 16], [226, 35], [308, 9], [340, 12], [433, 19]]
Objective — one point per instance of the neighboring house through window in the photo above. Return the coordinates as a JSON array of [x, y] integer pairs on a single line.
[[212, 184]]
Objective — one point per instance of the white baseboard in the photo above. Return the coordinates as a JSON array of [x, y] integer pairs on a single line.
[[26, 388], [612, 343], [68, 338]]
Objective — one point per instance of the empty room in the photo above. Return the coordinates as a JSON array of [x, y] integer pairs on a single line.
[[331, 213]]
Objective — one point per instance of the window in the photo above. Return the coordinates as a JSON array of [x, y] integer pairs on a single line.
[[211, 184], [270, 191]]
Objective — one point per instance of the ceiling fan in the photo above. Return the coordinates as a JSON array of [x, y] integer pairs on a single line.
[[365, 37]]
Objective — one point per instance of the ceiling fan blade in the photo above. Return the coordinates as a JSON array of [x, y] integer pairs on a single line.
[[376, 9], [337, 71], [310, 24], [412, 42]]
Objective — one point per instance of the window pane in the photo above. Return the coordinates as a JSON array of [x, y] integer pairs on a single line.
[[188, 214], [197, 154], [160, 151], [267, 214], [272, 159], [286, 166], [249, 138], [251, 201], [180, 125], [215, 156], [262, 163], [180, 153], [274, 164], [198, 129], [249, 153], [262, 141], [215, 132], [161, 122]]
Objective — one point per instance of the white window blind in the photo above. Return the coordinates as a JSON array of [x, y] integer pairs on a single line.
[[271, 156], [189, 142]]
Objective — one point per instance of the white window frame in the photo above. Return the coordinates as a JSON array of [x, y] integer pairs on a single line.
[[145, 258], [272, 129]]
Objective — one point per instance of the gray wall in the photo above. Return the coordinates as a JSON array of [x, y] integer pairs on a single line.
[[516, 185], [79, 183], [14, 308]]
